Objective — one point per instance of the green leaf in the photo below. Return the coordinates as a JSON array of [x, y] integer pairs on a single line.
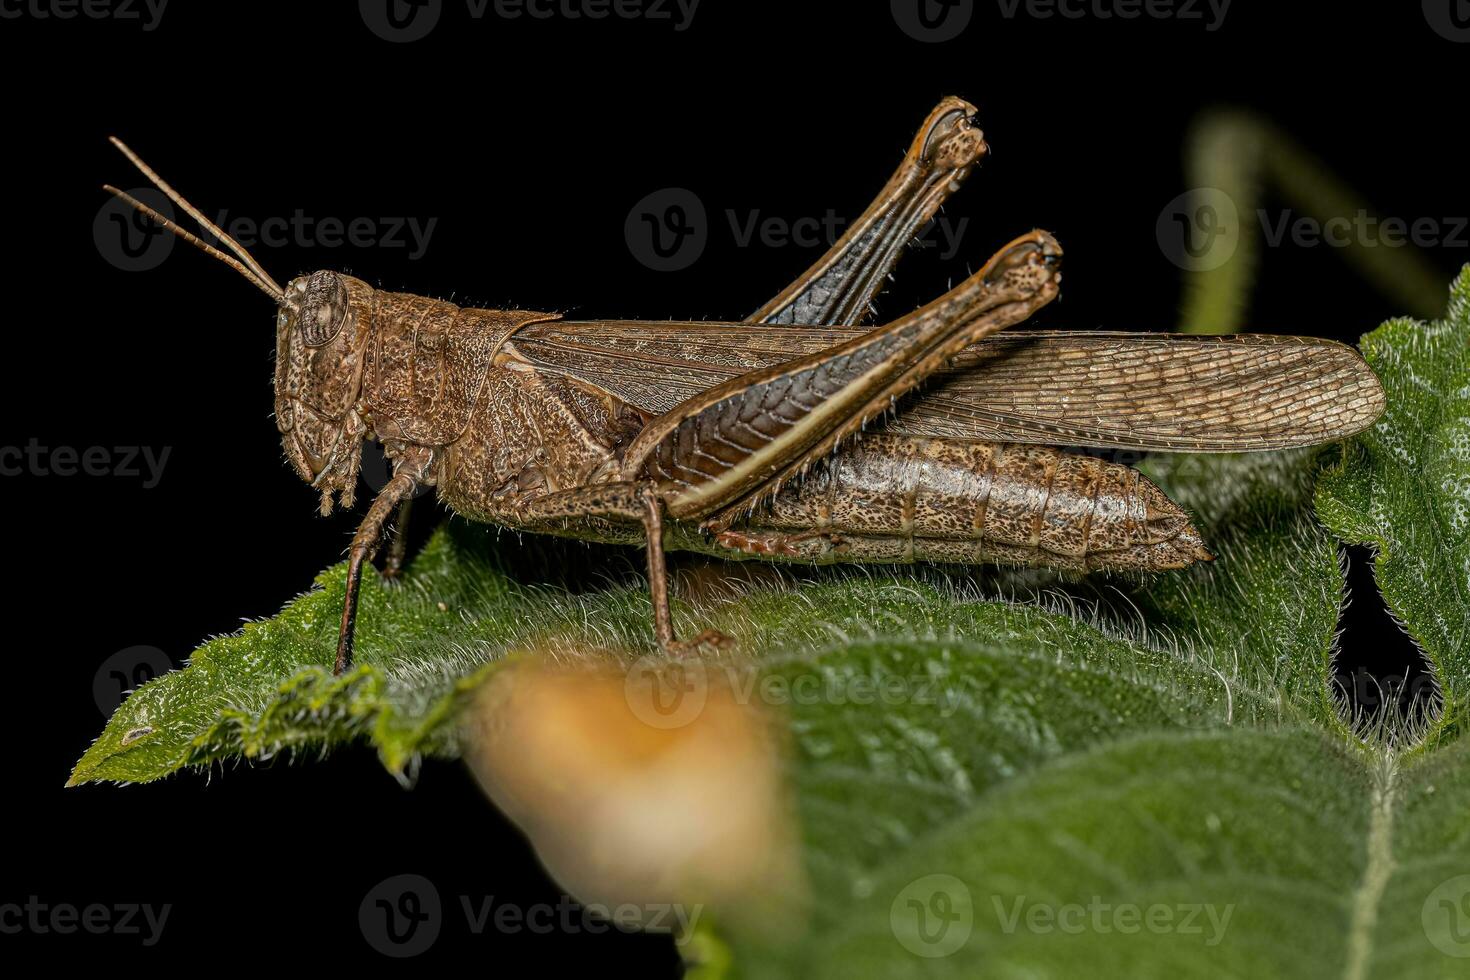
[[1030, 775], [423, 648], [1403, 487], [468, 601], [1193, 761]]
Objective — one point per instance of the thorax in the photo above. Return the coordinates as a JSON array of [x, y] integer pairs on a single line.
[[532, 433]]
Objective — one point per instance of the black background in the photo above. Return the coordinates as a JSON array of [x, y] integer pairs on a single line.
[[530, 141]]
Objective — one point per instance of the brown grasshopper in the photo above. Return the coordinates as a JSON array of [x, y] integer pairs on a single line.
[[754, 438]]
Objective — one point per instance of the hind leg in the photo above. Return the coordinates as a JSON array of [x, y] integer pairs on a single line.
[[839, 287], [725, 448]]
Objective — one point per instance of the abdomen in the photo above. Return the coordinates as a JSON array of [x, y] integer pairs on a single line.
[[897, 499]]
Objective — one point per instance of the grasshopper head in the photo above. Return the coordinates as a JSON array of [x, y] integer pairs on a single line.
[[322, 329], [322, 326]]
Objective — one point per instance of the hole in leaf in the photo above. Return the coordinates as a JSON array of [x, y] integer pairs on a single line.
[[1380, 677]]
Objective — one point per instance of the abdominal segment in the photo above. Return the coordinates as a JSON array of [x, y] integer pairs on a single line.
[[892, 498]]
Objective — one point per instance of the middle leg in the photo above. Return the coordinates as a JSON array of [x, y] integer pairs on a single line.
[[620, 502]]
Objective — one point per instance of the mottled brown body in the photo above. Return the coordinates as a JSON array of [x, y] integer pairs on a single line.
[[798, 434], [881, 498], [503, 433], [900, 499], [411, 371], [534, 435]]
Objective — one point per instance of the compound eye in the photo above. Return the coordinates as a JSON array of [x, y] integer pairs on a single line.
[[321, 307]]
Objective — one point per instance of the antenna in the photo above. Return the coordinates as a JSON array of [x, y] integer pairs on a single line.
[[245, 264]]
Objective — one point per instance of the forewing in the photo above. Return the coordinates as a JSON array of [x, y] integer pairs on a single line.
[[1145, 391], [656, 365], [1168, 392]]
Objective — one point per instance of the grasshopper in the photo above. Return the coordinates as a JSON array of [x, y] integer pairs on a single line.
[[797, 434]]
